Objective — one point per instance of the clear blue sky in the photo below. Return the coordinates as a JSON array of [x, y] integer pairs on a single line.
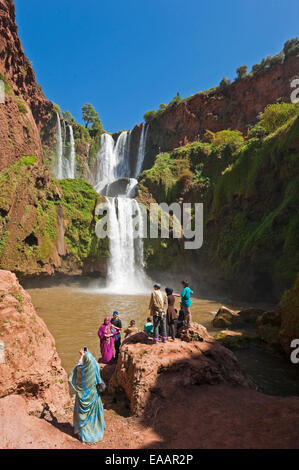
[[128, 56]]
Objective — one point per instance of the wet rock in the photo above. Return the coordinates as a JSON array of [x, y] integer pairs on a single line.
[[225, 318], [233, 339], [268, 327], [195, 333]]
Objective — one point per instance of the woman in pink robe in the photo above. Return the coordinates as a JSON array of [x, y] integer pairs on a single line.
[[107, 337]]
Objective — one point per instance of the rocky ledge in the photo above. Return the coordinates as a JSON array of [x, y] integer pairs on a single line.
[[150, 372]]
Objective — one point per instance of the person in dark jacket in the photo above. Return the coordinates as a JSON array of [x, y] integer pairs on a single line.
[[116, 322], [171, 313]]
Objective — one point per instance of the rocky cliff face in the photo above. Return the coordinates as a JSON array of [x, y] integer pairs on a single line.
[[48, 226], [26, 109], [29, 365], [235, 107]]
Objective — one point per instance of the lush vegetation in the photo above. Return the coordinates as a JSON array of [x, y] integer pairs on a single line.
[[251, 194], [30, 232]]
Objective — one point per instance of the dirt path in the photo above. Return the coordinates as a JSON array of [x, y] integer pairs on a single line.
[[213, 417]]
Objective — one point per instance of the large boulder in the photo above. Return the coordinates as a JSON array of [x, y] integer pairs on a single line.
[[268, 327], [226, 318], [146, 371], [30, 364]]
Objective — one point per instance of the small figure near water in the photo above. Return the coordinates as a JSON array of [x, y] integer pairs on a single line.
[[107, 335], [116, 322], [132, 329], [149, 327], [158, 307], [171, 313], [186, 302], [89, 422]]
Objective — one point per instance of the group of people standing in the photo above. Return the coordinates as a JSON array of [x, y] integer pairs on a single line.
[[163, 322], [165, 316], [89, 422]]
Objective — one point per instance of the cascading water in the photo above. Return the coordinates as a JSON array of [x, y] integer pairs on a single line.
[[72, 163], [59, 154], [126, 263], [105, 163], [65, 167], [141, 150]]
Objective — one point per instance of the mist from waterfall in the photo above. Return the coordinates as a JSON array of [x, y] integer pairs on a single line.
[[126, 262]]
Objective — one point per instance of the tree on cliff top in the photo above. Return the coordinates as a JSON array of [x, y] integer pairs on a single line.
[[67, 116], [291, 47], [242, 72], [89, 114]]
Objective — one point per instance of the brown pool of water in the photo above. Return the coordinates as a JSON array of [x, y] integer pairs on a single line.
[[74, 316]]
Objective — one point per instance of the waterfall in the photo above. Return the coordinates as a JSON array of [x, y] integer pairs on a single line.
[[72, 163], [141, 150], [65, 167], [122, 155], [105, 163], [125, 268], [59, 151], [126, 263]]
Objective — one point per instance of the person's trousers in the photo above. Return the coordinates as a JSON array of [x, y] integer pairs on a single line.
[[172, 329], [187, 317], [117, 345], [159, 322]]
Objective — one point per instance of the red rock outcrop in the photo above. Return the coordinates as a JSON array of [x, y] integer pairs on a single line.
[[29, 365], [147, 371], [25, 109], [234, 107]]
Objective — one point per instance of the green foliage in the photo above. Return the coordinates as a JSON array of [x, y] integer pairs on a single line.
[[21, 105], [242, 72], [257, 131], [89, 114], [56, 108], [149, 115], [96, 128], [67, 116], [291, 47], [225, 82], [277, 59], [275, 115], [266, 231]]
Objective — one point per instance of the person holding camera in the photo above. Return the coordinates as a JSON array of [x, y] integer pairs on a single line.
[[158, 308], [89, 422]]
